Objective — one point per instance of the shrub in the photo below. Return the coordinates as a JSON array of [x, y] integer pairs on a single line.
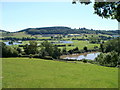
[[30, 56], [36, 56], [85, 48], [84, 60], [20, 55], [91, 61]]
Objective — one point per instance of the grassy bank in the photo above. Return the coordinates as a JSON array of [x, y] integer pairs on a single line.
[[39, 73]]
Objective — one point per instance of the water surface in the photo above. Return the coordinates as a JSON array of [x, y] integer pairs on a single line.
[[90, 56], [65, 42], [14, 43]]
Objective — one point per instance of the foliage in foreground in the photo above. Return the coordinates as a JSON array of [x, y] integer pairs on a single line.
[[112, 45], [104, 8], [111, 53], [111, 59], [8, 51]]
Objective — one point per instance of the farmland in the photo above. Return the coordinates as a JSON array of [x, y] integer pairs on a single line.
[[37, 62]]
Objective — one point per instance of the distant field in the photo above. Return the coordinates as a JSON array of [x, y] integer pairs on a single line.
[[40, 73], [80, 44]]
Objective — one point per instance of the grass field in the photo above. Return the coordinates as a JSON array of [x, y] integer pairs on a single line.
[[80, 44], [39, 73]]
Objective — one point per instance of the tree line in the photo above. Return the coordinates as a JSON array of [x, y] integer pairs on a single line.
[[110, 51], [67, 30], [110, 55], [32, 50], [45, 49]]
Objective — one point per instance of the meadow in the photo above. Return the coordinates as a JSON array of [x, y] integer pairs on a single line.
[[76, 43], [40, 73], [80, 44]]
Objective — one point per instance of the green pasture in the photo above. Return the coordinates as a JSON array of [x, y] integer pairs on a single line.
[[40, 73], [80, 44], [17, 35], [76, 43]]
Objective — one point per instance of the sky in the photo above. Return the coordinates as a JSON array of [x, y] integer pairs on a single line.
[[16, 16]]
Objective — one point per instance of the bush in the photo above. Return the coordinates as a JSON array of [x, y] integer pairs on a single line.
[[91, 61], [36, 56], [30, 56], [85, 48], [20, 55], [84, 60]]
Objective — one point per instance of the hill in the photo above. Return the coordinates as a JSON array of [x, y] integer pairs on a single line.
[[47, 30], [57, 30], [65, 30], [3, 31]]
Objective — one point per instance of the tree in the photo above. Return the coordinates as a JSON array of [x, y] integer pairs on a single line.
[[8, 51], [105, 8], [85, 48], [11, 42], [56, 53], [70, 51], [76, 49], [31, 48], [26, 49], [42, 52], [47, 49], [101, 47], [19, 50], [108, 59], [52, 37], [112, 45], [64, 51]]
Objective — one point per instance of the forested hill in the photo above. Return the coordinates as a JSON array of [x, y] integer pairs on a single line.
[[47, 30], [62, 30], [3, 30], [66, 30]]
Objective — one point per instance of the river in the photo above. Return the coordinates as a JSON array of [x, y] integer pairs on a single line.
[[90, 56]]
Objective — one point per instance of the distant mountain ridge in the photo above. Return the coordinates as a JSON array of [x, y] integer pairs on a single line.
[[47, 30], [64, 30], [3, 31]]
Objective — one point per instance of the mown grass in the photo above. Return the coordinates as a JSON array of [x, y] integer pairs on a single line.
[[40, 73]]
